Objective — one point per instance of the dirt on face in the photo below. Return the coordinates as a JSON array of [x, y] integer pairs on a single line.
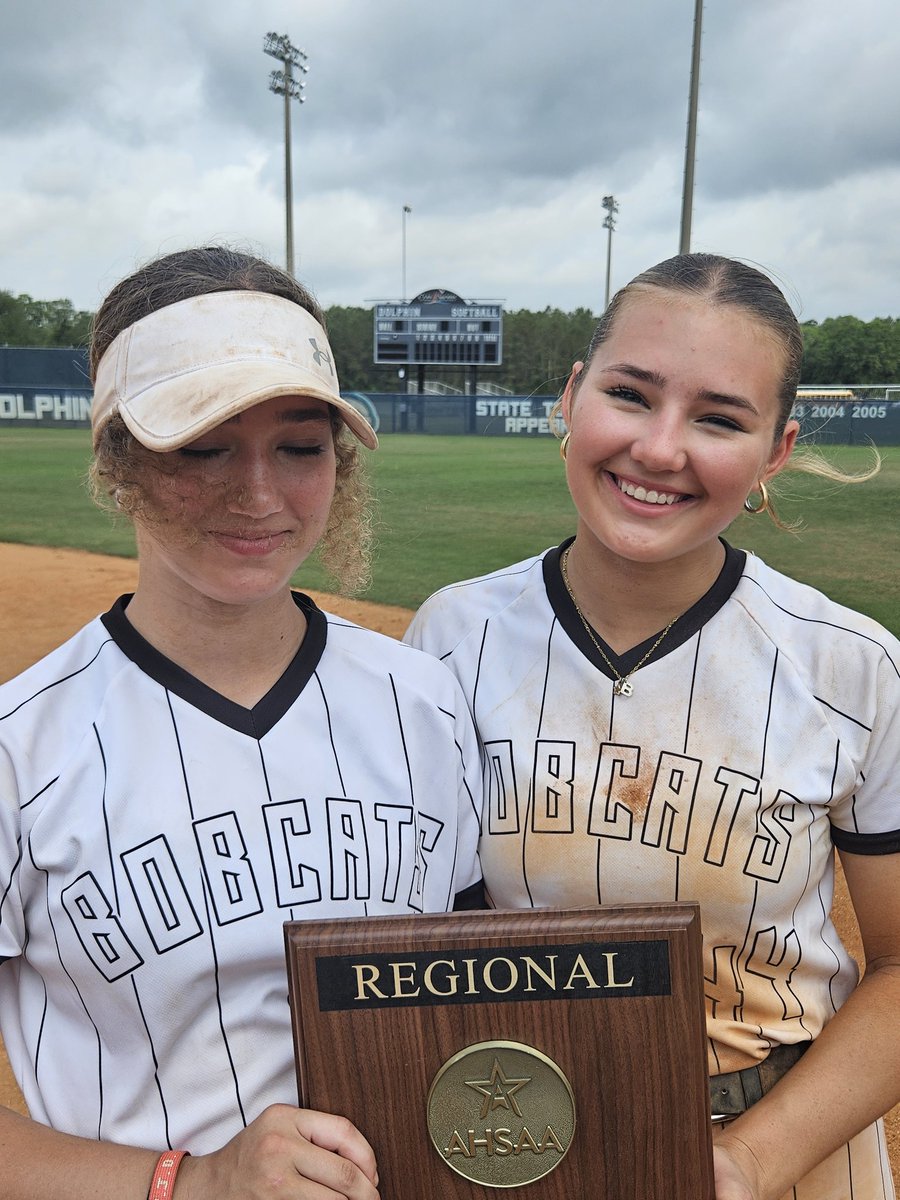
[[46, 595]]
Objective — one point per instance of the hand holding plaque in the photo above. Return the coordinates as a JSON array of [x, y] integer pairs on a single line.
[[550, 1053]]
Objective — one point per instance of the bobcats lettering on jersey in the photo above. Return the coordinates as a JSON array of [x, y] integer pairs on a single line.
[[746, 750], [169, 915], [658, 809], [764, 730], [155, 836]]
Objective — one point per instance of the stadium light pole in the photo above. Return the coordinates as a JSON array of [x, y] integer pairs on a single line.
[[283, 83], [609, 224], [687, 197], [406, 211]]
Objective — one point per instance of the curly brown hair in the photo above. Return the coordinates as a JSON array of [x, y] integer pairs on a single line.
[[117, 473]]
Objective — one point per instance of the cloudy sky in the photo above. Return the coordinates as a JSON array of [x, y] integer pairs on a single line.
[[131, 129]]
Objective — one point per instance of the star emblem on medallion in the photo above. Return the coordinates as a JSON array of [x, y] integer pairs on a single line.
[[498, 1091]]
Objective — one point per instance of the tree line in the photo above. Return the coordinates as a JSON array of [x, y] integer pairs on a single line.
[[538, 347], [27, 322]]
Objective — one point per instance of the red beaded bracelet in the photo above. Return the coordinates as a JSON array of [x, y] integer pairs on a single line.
[[164, 1176]]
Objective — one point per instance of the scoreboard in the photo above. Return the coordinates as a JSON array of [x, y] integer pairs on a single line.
[[440, 328]]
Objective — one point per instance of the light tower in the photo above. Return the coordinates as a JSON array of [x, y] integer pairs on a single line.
[[609, 203], [406, 211], [283, 83], [687, 195]]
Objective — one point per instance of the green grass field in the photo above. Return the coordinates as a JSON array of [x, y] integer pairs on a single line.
[[452, 507]]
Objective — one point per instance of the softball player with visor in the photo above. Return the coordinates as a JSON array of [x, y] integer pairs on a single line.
[[664, 717], [210, 758]]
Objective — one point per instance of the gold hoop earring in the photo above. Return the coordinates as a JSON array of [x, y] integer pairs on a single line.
[[763, 505], [564, 446]]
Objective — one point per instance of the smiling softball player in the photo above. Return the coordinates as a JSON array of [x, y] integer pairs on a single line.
[[665, 718]]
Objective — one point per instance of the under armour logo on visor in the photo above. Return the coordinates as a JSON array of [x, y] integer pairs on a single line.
[[320, 356]]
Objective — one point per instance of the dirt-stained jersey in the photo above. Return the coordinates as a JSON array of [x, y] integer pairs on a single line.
[[154, 837], [764, 731]]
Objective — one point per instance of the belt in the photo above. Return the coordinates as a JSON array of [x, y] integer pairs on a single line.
[[733, 1093]]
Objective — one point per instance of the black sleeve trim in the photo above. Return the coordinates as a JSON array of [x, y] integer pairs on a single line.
[[470, 897], [866, 843]]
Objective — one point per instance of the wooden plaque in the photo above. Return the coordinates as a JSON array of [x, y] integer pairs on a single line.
[[550, 1053]]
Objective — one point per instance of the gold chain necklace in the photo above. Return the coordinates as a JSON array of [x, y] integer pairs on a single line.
[[622, 686]]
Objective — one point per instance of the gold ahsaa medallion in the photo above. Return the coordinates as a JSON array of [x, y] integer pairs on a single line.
[[501, 1114]]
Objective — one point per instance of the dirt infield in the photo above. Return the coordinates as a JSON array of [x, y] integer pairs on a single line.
[[46, 595]]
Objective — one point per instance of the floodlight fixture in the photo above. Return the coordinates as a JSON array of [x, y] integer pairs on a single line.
[[279, 83], [278, 45]]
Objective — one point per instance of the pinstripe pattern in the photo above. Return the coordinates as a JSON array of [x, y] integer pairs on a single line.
[[765, 729], [154, 837]]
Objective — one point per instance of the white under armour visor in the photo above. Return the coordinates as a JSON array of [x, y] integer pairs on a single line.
[[186, 368]]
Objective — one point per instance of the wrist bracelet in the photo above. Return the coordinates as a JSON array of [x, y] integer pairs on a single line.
[[163, 1180]]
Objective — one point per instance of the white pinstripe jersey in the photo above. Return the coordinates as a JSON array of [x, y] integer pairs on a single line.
[[765, 730], [154, 837]]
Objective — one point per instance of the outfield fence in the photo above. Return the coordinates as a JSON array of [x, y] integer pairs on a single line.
[[47, 389], [863, 421]]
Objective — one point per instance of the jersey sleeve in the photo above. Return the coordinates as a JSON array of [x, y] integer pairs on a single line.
[[12, 928], [868, 820], [429, 632], [418, 633], [436, 628]]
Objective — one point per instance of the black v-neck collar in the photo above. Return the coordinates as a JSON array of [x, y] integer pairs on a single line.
[[682, 631], [255, 722]]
